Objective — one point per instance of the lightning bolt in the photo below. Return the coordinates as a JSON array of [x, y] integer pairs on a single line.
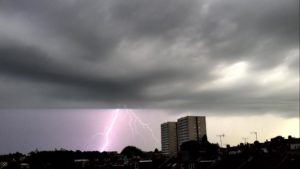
[[131, 125], [146, 126], [134, 122], [107, 133], [134, 125]]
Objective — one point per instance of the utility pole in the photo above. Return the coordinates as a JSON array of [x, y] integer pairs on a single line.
[[254, 132], [221, 135], [245, 140]]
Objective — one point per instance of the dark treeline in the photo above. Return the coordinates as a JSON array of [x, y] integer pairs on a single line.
[[278, 153], [66, 159], [58, 159]]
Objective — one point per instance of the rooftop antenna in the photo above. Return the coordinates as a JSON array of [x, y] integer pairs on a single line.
[[254, 132], [245, 140], [221, 135]]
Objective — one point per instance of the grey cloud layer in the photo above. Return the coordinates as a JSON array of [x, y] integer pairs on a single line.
[[149, 54]]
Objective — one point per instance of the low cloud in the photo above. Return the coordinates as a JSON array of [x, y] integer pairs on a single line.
[[230, 57]]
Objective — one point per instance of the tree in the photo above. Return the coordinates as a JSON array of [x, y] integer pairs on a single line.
[[131, 151]]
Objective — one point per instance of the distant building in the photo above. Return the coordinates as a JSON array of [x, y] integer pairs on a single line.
[[294, 143], [81, 163], [169, 138], [24, 166], [190, 128], [173, 134]]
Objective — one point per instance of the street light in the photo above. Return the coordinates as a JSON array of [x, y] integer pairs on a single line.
[[221, 135], [254, 132]]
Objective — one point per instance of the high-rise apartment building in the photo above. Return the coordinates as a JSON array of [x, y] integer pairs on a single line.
[[190, 128], [173, 134], [169, 138]]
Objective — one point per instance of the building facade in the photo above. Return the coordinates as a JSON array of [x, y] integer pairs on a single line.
[[169, 138], [173, 134], [190, 128]]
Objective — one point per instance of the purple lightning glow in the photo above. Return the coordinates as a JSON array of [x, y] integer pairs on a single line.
[[143, 124], [107, 133], [128, 121]]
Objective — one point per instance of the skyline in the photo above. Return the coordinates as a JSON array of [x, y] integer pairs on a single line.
[[65, 66], [85, 129]]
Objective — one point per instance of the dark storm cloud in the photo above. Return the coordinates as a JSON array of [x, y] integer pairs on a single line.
[[154, 18], [38, 67], [150, 54], [261, 31]]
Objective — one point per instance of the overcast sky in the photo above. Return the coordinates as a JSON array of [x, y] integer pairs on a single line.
[[224, 58]]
